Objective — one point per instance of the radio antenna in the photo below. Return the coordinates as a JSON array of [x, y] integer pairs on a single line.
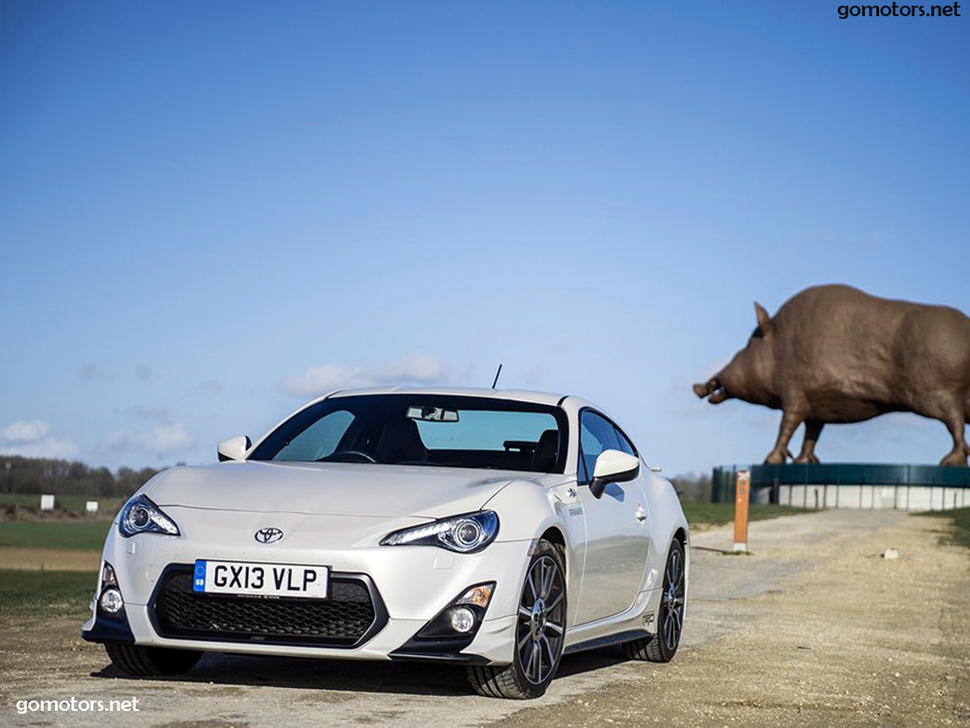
[[497, 376]]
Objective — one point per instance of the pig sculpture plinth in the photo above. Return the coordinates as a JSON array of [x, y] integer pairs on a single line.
[[836, 354]]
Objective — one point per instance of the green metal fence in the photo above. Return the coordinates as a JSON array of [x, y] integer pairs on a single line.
[[868, 474]]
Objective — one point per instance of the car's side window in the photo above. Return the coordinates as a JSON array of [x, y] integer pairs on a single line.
[[625, 444], [596, 434]]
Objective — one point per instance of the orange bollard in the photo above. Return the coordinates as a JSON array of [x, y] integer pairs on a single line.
[[741, 510]]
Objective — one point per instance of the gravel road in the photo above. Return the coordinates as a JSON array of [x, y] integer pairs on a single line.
[[813, 628]]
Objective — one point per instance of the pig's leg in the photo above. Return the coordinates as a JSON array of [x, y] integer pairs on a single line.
[[789, 423], [813, 428], [955, 423]]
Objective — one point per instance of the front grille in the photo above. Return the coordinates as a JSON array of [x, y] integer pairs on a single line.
[[352, 612]]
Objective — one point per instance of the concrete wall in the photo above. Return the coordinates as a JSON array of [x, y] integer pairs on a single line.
[[901, 497]]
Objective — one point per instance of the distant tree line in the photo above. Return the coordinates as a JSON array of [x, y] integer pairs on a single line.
[[60, 477], [693, 487]]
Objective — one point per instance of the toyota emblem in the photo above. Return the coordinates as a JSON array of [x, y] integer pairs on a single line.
[[268, 535]]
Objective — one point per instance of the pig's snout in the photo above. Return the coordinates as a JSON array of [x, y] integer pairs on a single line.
[[713, 389], [702, 390]]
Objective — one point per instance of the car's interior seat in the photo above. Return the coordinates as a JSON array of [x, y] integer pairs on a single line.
[[547, 452], [400, 442]]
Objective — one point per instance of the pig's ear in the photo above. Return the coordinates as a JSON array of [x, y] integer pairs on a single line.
[[764, 320]]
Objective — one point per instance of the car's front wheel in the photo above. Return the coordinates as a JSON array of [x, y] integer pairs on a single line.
[[670, 623], [140, 661], [540, 632]]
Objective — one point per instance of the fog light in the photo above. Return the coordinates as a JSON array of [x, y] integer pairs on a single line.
[[111, 601], [462, 619]]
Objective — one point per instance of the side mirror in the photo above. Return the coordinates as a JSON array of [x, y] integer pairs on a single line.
[[234, 448], [613, 466]]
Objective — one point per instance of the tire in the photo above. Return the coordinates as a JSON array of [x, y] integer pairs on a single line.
[[140, 661], [670, 622], [540, 633]]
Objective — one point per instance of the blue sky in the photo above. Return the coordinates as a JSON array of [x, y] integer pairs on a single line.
[[210, 211]]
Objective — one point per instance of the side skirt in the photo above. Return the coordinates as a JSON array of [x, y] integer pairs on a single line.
[[607, 640]]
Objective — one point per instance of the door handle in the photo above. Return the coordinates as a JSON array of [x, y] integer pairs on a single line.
[[641, 514]]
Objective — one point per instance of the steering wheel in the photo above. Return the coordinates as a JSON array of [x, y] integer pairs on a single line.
[[349, 456]]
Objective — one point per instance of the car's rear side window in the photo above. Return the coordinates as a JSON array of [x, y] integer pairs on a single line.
[[596, 434]]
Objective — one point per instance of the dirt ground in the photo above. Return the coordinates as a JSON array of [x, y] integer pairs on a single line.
[[814, 629]]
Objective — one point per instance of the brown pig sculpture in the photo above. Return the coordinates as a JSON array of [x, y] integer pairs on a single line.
[[835, 354]]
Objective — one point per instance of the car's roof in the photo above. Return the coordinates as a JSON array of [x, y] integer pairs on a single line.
[[517, 395]]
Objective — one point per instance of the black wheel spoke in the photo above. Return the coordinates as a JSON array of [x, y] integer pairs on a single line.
[[554, 604], [550, 653], [673, 568], [530, 654], [548, 576]]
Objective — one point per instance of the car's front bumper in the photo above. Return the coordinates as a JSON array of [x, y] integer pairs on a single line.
[[412, 584]]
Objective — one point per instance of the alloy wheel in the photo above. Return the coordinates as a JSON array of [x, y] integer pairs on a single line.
[[542, 620]]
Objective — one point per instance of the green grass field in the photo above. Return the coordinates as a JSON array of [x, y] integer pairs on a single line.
[[74, 535], [106, 506], [719, 514], [47, 593], [960, 517]]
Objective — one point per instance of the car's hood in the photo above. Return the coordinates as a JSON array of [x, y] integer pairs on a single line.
[[329, 488]]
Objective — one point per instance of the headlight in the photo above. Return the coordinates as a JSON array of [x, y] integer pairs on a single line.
[[140, 515], [464, 534]]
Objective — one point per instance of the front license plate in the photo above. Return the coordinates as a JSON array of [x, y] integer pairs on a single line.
[[270, 580]]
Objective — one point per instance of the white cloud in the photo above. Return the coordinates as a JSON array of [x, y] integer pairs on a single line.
[[33, 440], [210, 386], [93, 373], [535, 376], [412, 369], [50, 447], [163, 440], [159, 414], [25, 431]]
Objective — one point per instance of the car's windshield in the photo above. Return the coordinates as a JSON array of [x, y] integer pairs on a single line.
[[442, 430]]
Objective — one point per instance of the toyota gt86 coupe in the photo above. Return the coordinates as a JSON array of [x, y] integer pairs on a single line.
[[496, 530]]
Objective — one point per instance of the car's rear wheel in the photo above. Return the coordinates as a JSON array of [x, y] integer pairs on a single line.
[[140, 661], [540, 632], [670, 622]]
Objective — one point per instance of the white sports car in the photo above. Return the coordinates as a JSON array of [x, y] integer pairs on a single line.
[[498, 530]]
